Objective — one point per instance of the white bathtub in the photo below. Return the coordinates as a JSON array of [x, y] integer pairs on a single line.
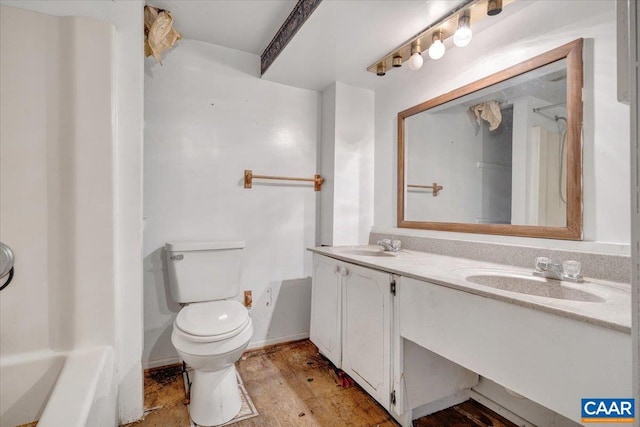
[[72, 390]]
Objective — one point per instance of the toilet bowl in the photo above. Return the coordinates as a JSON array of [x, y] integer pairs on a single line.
[[210, 337], [212, 330]]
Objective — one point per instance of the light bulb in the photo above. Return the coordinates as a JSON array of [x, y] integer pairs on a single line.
[[415, 62], [494, 7], [463, 34], [436, 50], [462, 37]]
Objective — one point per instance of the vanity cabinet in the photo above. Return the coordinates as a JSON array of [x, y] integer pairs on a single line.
[[326, 307], [366, 326], [419, 346], [351, 322], [355, 324]]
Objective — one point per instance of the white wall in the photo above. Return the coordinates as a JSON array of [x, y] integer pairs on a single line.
[[346, 153], [125, 244], [207, 118], [630, 12], [326, 165], [354, 168], [533, 30]]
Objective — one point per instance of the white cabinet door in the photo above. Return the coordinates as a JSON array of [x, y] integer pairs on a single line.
[[326, 307], [366, 341]]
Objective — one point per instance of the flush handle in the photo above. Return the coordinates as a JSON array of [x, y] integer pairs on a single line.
[[6, 265], [176, 257]]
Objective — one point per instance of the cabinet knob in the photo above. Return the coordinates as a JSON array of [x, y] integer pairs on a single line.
[[341, 271]]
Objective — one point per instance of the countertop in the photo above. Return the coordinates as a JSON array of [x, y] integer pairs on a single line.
[[614, 313]]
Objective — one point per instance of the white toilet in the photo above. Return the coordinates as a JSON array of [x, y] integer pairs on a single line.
[[212, 331]]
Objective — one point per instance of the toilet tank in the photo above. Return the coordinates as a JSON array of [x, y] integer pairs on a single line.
[[203, 271]]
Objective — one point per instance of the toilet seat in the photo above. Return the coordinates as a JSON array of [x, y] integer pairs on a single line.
[[212, 321], [212, 346]]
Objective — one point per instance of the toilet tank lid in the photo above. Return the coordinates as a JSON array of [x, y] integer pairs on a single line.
[[204, 245]]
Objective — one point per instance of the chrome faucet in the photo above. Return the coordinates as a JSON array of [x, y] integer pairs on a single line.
[[390, 245], [545, 267]]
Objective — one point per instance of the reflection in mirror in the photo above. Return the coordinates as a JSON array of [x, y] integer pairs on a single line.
[[497, 156], [469, 144]]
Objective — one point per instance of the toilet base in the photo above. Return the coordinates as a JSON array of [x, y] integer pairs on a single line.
[[215, 398]]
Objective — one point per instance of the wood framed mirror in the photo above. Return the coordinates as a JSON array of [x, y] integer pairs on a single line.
[[502, 155]]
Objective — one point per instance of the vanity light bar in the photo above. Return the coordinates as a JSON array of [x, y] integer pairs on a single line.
[[447, 25]]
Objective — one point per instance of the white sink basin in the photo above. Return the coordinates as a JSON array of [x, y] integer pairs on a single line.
[[529, 285], [367, 252]]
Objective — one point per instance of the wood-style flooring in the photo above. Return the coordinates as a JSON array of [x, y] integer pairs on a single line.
[[293, 385], [466, 414], [165, 398]]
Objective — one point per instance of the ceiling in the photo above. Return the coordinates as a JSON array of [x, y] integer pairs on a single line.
[[337, 43], [247, 25], [342, 38]]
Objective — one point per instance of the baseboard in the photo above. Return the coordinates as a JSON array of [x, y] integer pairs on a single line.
[[439, 405], [499, 409], [151, 364], [279, 340], [406, 419]]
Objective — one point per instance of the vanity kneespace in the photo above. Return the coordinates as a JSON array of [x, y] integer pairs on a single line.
[[552, 360]]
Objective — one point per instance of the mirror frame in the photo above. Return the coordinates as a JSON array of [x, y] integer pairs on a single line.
[[573, 230]]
